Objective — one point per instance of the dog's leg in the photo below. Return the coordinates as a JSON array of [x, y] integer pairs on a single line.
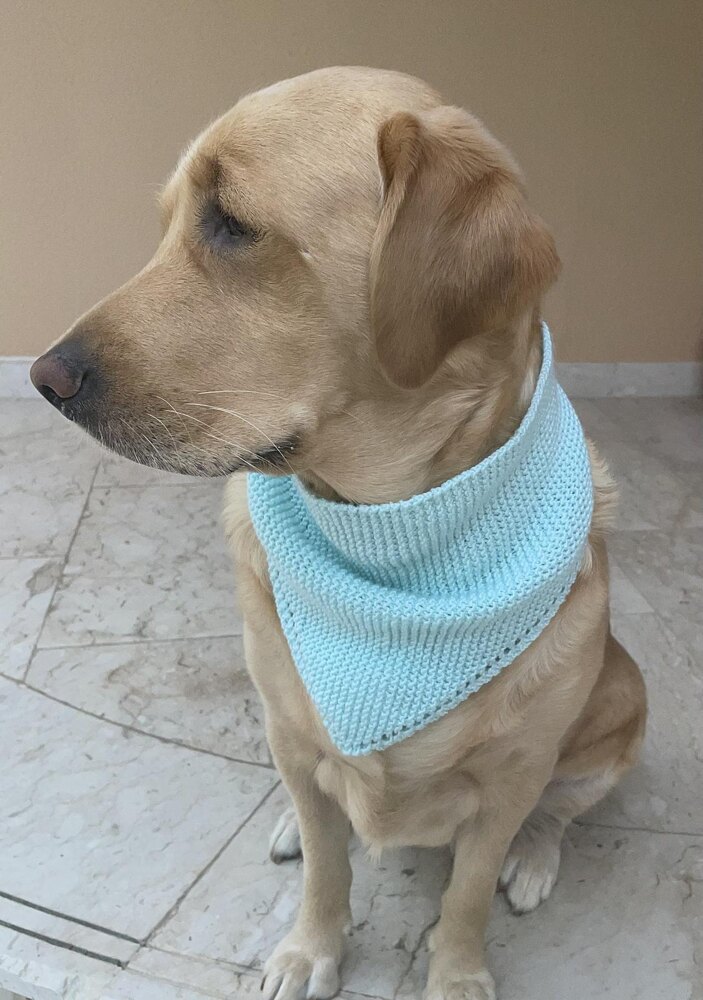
[[457, 967], [601, 747], [306, 962]]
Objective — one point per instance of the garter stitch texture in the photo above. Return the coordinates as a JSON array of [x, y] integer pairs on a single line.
[[395, 613]]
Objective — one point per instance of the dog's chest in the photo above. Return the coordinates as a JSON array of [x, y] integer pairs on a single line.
[[392, 811]]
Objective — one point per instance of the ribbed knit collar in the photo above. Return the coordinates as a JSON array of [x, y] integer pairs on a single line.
[[373, 536]]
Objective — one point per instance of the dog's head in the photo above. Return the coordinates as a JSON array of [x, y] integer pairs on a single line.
[[329, 247]]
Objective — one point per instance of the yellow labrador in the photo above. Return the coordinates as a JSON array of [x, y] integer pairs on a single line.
[[346, 257]]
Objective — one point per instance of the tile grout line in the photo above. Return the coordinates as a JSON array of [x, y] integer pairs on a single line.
[[140, 943], [60, 574], [138, 640], [21, 557], [199, 959], [120, 935], [66, 945], [237, 968], [141, 486], [590, 825], [201, 874], [133, 729]]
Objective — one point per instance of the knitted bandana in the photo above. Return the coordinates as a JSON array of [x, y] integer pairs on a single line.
[[395, 613]]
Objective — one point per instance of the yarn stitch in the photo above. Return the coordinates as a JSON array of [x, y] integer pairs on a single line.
[[395, 613]]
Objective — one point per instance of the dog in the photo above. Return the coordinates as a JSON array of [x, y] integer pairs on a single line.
[[348, 288]]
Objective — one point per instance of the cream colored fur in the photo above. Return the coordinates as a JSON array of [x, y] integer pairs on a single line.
[[386, 320]]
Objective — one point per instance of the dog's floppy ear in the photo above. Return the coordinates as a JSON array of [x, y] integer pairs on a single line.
[[457, 250]]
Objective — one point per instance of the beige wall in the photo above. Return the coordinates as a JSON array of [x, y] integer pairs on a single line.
[[599, 99]]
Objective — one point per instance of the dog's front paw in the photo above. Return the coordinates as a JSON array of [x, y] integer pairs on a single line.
[[284, 844], [297, 970], [458, 985]]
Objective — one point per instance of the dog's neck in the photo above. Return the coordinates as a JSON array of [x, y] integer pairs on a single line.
[[390, 446]]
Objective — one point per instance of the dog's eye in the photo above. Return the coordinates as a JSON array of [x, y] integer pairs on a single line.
[[223, 230], [235, 229]]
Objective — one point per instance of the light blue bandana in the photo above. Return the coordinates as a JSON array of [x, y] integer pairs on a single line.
[[395, 613]]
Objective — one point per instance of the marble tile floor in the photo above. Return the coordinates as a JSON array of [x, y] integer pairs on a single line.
[[138, 792]]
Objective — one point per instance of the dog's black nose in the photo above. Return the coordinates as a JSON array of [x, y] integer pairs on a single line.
[[63, 372]]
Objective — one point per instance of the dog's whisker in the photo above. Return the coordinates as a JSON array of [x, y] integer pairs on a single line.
[[218, 437], [178, 414], [198, 448], [233, 413], [233, 444], [176, 446], [149, 444], [235, 392]]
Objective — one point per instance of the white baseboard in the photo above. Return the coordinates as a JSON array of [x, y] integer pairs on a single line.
[[631, 378], [14, 379], [581, 378]]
